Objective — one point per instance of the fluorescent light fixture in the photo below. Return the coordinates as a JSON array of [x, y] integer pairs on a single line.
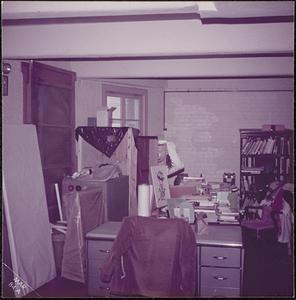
[[206, 6]]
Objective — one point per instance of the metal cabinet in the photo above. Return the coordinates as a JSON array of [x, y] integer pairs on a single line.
[[220, 271], [115, 194], [97, 253], [99, 244]]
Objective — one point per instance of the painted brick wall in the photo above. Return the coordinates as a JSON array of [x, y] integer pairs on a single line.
[[205, 125]]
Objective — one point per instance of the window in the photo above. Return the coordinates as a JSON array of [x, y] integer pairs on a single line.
[[130, 106]]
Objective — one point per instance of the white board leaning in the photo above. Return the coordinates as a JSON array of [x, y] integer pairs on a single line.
[[160, 182]]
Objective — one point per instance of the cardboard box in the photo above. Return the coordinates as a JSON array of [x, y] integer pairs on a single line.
[[177, 191]]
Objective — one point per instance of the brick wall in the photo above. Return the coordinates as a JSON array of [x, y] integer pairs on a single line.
[[205, 125]]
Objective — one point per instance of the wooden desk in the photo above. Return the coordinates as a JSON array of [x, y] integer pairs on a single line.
[[219, 259]]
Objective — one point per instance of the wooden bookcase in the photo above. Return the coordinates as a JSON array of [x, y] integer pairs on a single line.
[[265, 156]]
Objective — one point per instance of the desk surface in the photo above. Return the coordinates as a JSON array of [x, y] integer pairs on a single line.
[[215, 235]]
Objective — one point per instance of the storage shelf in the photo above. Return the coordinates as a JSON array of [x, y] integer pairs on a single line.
[[277, 162]]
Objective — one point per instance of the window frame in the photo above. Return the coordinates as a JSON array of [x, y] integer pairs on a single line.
[[128, 92]]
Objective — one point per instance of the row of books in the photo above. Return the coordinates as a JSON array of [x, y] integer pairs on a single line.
[[266, 146], [283, 165], [253, 170], [245, 183]]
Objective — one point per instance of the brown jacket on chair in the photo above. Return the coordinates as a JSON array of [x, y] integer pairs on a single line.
[[152, 257]]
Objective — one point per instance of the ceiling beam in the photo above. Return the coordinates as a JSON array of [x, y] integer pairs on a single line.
[[144, 39]]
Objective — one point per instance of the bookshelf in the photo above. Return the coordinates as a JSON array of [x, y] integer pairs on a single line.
[[265, 156]]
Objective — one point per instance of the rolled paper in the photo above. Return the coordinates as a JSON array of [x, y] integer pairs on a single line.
[[151, 195], [143, 200]]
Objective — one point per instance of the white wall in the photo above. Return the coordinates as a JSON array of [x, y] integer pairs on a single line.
[[205, 124], [12, 105], [88, 97], [200, 110], [182, 68]]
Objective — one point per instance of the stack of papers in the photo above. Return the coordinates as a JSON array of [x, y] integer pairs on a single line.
[[226, 214], [202, 204]]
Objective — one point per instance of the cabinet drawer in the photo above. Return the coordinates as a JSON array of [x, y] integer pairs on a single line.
[[94, 266], [97, 288], [220, 292], [219, 278], [98, 249], [220, 256]]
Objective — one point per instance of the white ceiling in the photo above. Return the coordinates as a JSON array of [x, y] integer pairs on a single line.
[[53, 9], [154, 48], [206, 9]]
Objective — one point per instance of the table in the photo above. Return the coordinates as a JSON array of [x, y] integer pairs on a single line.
[[220, 256]]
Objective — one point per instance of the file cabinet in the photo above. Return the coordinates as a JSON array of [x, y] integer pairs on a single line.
[[99, 244], [220, 262]]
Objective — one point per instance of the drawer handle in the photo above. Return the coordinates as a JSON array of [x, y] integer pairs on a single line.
[[104, 288], [220, 278], [104, 251], [220, 257]]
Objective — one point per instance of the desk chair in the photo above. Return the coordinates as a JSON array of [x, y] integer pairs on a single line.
[[152, 257], [259, 219], [270, 217]]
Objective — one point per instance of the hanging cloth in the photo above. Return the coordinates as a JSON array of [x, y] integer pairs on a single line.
[[104, 139]]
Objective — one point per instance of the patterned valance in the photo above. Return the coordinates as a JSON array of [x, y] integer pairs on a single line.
[[104, 139]]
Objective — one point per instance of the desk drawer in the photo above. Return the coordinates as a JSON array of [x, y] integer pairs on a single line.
[[98, 249], [220, 292], [219, 278], [94, 266], [97, 288], [220, 256]]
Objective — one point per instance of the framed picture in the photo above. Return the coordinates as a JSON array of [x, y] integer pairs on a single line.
[[160, 183], [4, 85]]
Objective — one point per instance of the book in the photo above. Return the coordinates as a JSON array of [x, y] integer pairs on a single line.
[[260, 142], [263, 147], [253, 170], [246, 145], [249, 147]]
